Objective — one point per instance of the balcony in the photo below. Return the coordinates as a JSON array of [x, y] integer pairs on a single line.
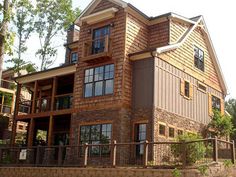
[[62, 102], [97, 49], [8, 84]]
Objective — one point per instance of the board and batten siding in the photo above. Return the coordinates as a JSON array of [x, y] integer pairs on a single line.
[[168, 97]]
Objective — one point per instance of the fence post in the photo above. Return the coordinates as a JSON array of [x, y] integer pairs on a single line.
[[184, 153], [114, 153], [215, 149], [233, 152], [60, 155], [85, 154], [37, 156], [145, 154]]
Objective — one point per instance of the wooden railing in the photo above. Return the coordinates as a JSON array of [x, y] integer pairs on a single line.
[[153, 154], [97, 48], [61, 102], [8, 84]]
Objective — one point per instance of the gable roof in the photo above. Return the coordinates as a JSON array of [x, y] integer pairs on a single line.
[[194, 23], [197, 21]]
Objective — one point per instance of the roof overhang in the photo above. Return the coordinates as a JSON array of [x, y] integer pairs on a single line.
[[99, 16], [59, 71]]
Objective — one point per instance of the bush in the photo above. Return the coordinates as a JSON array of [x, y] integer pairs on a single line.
[[176, 173], [194, 151]]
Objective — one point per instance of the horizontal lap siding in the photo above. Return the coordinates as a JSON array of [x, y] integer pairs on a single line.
[[177, 29], [168, 95], [184, 58], [159, 34]]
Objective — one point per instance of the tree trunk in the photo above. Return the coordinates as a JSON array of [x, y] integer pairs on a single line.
[[3, 33]]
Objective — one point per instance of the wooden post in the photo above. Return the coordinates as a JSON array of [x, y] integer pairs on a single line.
[[34, 96], [60, 155], [233, 152], [215, 149], [12, 103], [50, 130], [145, 154], [37, 156], [54, 89], [113, 153], [2, 103], [31, 132], [85, 154], [0, 155], [14, 125]]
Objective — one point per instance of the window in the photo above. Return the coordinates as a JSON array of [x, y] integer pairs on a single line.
[[216, 103], [198, 58], [186, 89], [99, 40], [171, 132], [180, 132], [162, 129], [20, 127], [140, 137], [99, 81], [74, 57], [96, 134], [202, 87]]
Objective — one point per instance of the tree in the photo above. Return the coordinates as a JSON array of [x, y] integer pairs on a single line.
[[53, 17], [23, 23], [230, 107], [221, 124], [6, 38]]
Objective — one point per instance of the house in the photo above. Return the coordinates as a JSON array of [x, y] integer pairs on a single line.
[[127, 77], [7, 100]]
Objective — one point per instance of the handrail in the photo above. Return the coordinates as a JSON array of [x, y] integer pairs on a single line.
[[64, 95]]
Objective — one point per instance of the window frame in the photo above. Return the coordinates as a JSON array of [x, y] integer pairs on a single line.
[[171, 127], [203, 85], [71, 57], [186, 83], [104, 80], [212, 102], [197, 58], [140, 147], [160, 134]]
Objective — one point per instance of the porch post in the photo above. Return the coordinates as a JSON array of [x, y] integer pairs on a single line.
[[34, 96], [2, 103], [50, 130], [14, 122], [54, 87], [31, 132]]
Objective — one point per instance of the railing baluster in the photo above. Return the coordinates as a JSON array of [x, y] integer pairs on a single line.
[[37, 156], [215, 150], [113, 153], [145, 154], [1, 155], [60, 155]]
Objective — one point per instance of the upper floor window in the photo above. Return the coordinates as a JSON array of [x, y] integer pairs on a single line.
[[216, 103], [99, 39], [198, 58], [140, 137], [99, 81], [186, 89], [73, 57]]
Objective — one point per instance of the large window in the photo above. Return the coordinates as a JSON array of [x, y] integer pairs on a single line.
[[74, 57], [140, 137], [96, 134], [99, 81], [215, 103], [198, 58]]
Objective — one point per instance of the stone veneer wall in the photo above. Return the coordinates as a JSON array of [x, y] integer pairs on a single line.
[[90, 172]]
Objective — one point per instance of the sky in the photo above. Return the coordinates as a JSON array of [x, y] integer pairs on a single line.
[[218, 15]]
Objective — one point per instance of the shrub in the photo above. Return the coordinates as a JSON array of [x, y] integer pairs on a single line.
[[203, 170], [176, 173], [193, 151]]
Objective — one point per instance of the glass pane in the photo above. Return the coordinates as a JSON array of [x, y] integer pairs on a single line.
[[95, 132], [98, 73], [98, 88], [88, 90], [109, 87]]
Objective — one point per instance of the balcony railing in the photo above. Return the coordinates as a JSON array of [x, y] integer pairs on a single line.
[[8, 84], [5, 109], [44, 104], [97, 49]]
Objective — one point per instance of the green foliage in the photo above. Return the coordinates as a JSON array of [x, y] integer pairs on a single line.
[[151, 163], [8, 98], [23, 20], [203, 170], [194, 151], [230, 107], [53, 17], [176, 173], [228, 163], [221, 124]]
